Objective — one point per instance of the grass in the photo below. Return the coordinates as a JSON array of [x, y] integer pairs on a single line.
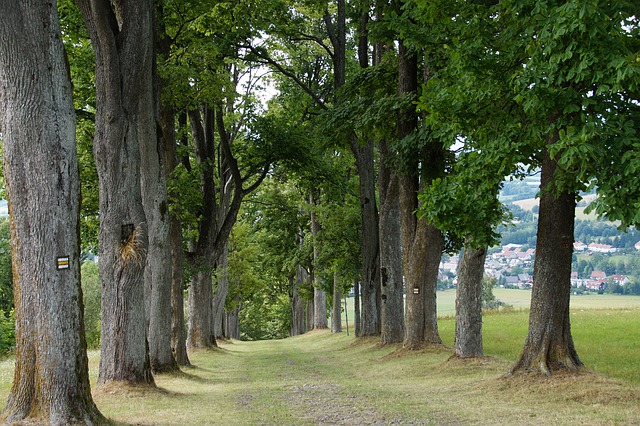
[[320, 378]]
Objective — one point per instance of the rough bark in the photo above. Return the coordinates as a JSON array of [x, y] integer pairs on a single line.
[[155, 201], [168, 123], [200, 319], [468, 340], [220, 293], [51, 379], [309, 315], [336, 309], [369, 244], [320, 320], [549, 345], [297, 305], [122, 37], [421, 243], [363, 154], [178, 335], [392, 308]]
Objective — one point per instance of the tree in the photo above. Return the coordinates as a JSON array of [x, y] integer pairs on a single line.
[[468, 340], [122, 38], [51, 380]]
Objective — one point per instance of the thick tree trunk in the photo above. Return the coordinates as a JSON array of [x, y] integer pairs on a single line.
[[157, 274], [51, 379], [178, 332], [468, 340], [392, 308], [369, 244], [319, 295], [297, 305], [549, 345], [178, 335], [336, 311], [123, 47], [220, 294], [309, 315], [200, 294], [421, 243]]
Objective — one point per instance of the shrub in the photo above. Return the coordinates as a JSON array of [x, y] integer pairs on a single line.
[[7, 332]]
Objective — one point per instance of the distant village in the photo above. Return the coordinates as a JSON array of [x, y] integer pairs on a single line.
[[512, 266]]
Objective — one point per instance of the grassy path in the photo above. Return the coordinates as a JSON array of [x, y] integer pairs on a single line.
[[326, 379]]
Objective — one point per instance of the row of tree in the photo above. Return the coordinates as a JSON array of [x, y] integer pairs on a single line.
[[429, 103]]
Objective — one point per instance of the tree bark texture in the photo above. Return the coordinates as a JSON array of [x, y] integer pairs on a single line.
[[178, 334], [51, 379], [297, 305], [336, 309], [421, 243], [309, 312], [155, 200], [549, 345], [468, 340], [122, 37], [392, 307], [168, 124], [357, 320], [220, 293], [369, 240], [200, 319], [320, 320]]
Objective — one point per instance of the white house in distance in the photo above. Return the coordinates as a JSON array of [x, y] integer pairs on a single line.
[[601, 248]]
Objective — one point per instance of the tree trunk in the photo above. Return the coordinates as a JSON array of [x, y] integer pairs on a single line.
[[154, 171], [319, 295], [123, 47], [421, 243], [370, 325], [168, 123], [468, 340], [221, 291], [357, 320], [392, 308], [178, 335], [309, 315], [336, 311], [549, 345], [297, 305], [51, 379], [200, 294]]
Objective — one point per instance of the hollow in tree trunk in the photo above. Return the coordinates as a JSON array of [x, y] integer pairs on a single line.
[[549, 345]]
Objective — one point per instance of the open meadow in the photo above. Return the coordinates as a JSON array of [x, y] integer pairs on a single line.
[[324, 378]]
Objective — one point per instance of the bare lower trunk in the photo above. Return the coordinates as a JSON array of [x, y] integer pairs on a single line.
[[51, 379], [309, 315], [421, 273], [124, 87], [297, 305], [549, 345], [200, 292], [178, 332], [220, 294], [232, 329], [319, 295], [357, 321], [392, 307], [369, 242], [336, 312], [158, 269], [468, 340]]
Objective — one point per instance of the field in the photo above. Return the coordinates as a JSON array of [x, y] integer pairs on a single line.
[[324, 378]]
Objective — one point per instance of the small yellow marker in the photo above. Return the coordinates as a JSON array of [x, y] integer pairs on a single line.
[[63, 262]]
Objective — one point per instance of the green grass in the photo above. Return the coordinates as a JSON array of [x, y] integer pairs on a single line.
[[320, 378]]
